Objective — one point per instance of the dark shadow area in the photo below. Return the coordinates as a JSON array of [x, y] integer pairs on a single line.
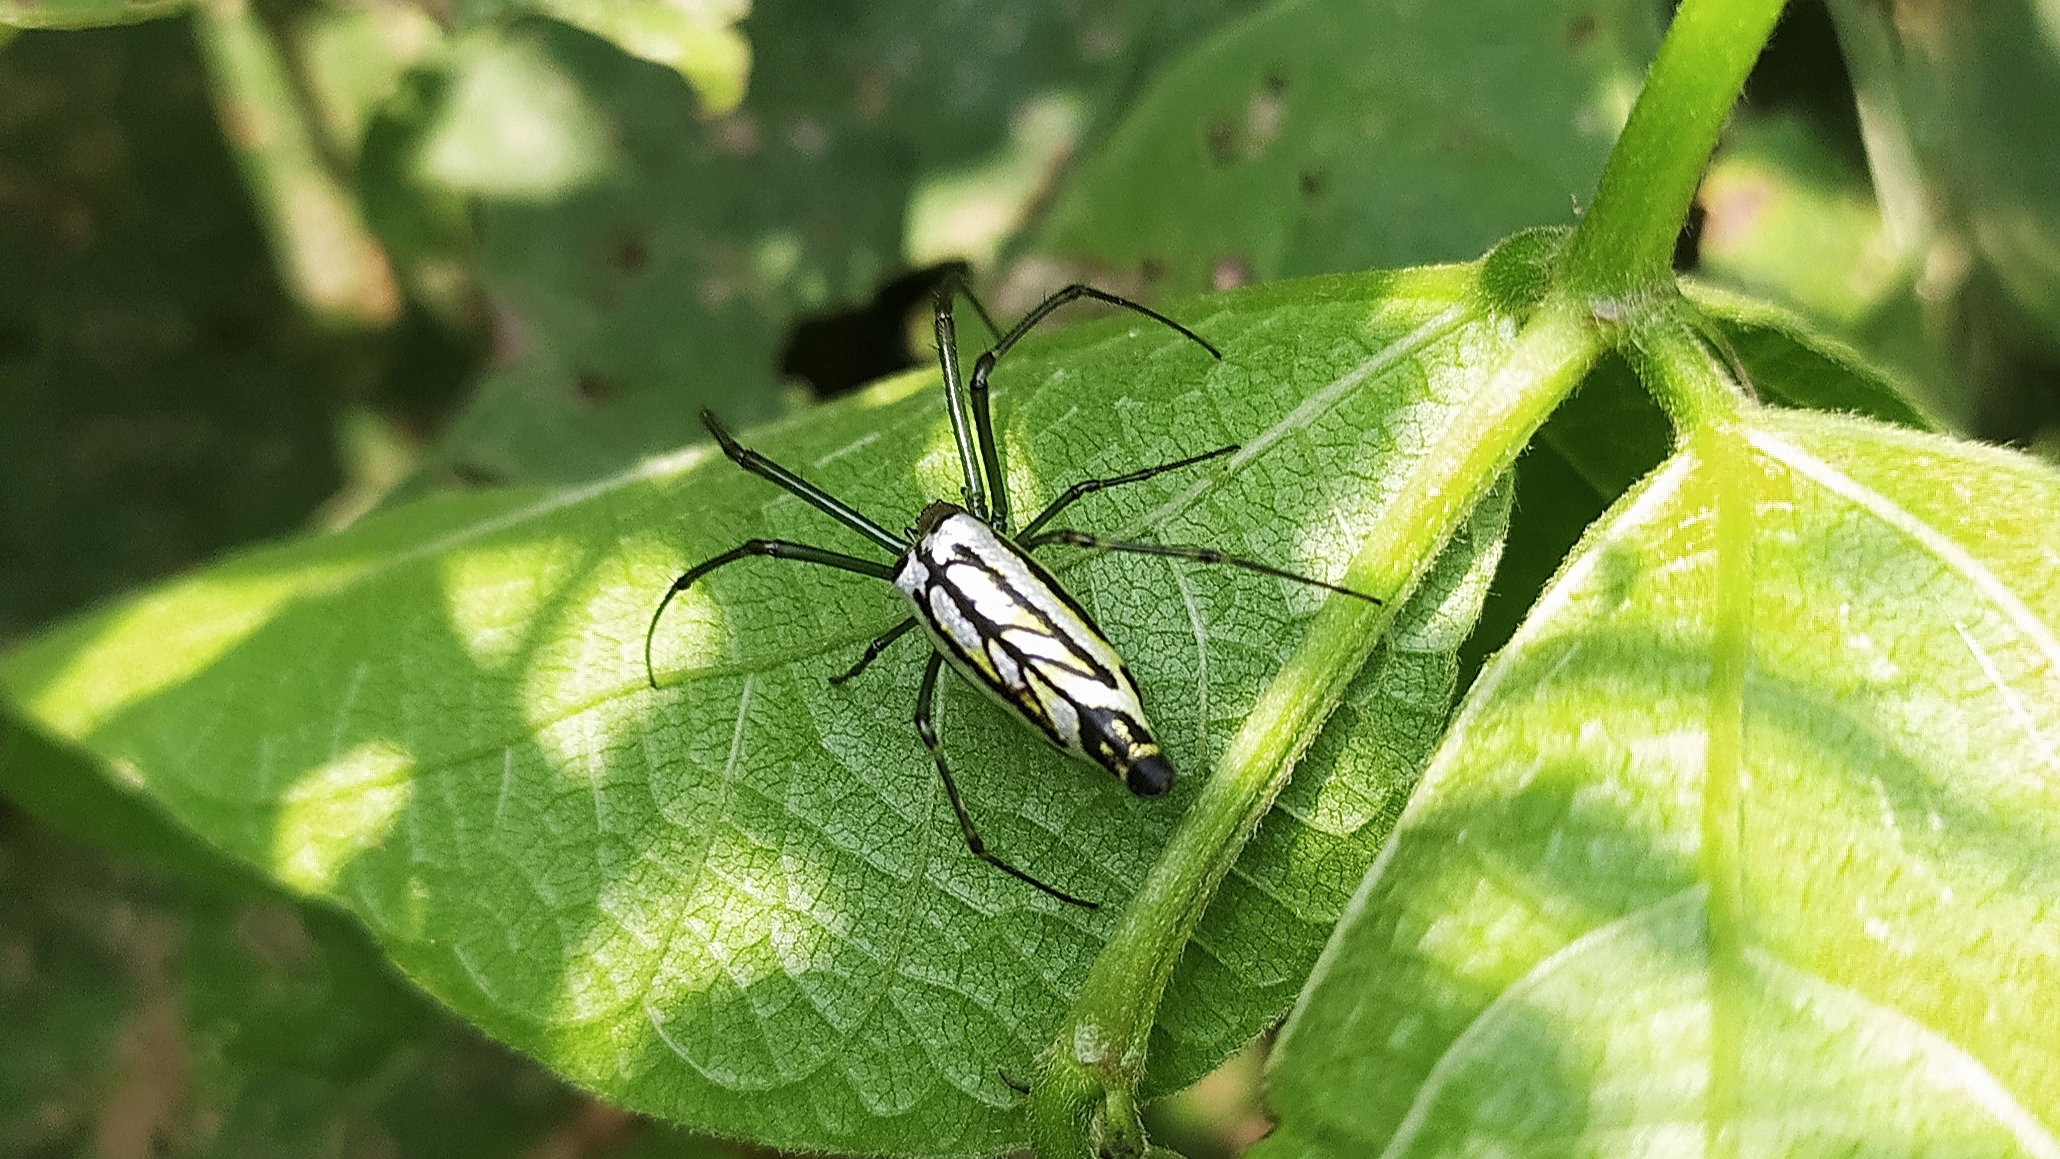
[[838, 353], [161, 397]]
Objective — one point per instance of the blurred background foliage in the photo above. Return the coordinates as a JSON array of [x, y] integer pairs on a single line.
[[269, 266]]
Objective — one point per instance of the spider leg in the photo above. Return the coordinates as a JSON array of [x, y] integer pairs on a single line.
[[822, 500], [771, 548], [1090, 486], [880, 644], [958, 806], [984, 366], [1070, 538]]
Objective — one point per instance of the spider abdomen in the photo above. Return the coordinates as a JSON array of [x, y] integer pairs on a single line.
[[1008, 627]]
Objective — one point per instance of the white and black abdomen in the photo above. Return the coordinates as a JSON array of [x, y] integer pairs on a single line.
[[1008, 627]]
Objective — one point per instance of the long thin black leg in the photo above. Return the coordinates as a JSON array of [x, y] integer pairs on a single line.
[[990, 458], [958, 279], [1074, 293], [970, 457], [880, 644], [772, 548], [965, 822], [1090, 486], [835, 508], [1070, 538]]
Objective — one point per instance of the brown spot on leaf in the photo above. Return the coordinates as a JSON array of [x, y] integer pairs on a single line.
[[467, 474], [630, 254], [736, 135], [1580, 30], [1313, 183], [596, 388], [1222, 143]]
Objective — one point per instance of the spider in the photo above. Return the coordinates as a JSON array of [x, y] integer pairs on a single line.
[[988, 607]]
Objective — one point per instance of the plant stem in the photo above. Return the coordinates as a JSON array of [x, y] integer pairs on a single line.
[[327, 256], [1097, 1058], [1625, 243], [1679, 369]]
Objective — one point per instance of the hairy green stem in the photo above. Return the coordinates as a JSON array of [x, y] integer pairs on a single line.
[[1082, 1101], [1625, 242]]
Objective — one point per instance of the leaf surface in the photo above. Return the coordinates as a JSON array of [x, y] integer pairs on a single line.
[[85, 13], [1746, 840], [1329, 135], [741, 901]]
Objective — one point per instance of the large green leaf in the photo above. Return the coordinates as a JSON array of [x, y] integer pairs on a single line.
[[1747, 840], [1331, 135], [741, 901]]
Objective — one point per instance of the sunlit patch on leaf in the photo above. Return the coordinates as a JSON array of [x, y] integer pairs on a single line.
[[337, 811]]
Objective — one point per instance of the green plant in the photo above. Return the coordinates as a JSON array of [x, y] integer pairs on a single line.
[[1742, 840]]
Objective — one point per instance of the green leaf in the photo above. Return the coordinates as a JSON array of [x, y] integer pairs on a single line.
[[1790, 361], [514, 126], [1745, 840], [694, 38], [741, 901], [1327, 135], [85, 13], [1611, 432]]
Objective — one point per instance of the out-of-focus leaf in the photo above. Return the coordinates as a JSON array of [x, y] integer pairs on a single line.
[[627, 308], [1788, 219], [1784, 218], [167, 1004], [327, 257], [695, 38], [352, 61], [741, 901], [1977, 90], [515, 126], [1329, 134], [85, 13], [1749, 836], [161, 398]]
